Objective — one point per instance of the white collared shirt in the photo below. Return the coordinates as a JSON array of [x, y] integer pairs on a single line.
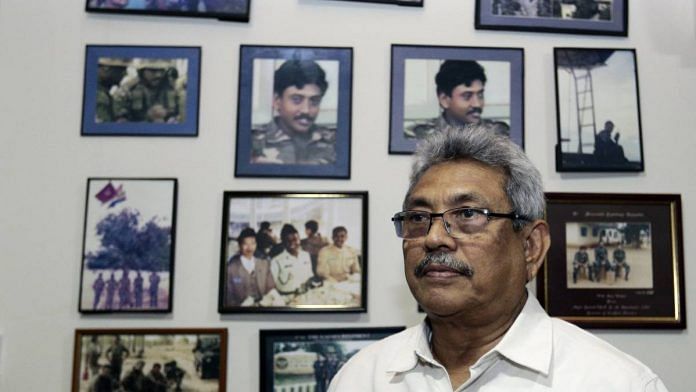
[[537, 353], [248, 264]]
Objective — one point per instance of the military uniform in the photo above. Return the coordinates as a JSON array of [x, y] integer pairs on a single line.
[[105, 106], [142, 98], [601, 260], [290, 273], [619, 256], [271, 144], [425, 128], [580, 262]]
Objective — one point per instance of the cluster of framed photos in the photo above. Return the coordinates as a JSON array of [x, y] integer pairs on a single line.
[[616, 260]]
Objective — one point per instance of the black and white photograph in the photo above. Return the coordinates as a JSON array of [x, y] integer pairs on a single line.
[[293, 252], [228, 10], [294, 112], [308, 359], [616, 260], [433, 87], [609, 255], [598, 111], [597, 17], [128, 248], [141, 360], [141, 91]]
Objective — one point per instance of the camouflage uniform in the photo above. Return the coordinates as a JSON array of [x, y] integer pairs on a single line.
[[271, 144], [425, 128], [105, 108], [140, 102]]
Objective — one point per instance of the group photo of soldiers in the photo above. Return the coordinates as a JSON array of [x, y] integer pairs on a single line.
[[127, 258], [286, 252], [149, 90], [608, 255], [148, 363], [562, 9]]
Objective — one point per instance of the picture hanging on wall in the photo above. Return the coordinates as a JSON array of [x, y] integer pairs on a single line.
[[294, 116], [128, 246], [597, 17], [437, 86], [141, 91], [598, 111], [308, 359], [409, 3], [293, 252], [180, 359], [616, 261], [227, 10]]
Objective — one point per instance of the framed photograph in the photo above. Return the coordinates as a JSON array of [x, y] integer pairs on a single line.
[[616, 261], [141, 91], [227, 10], [293, 252], [597, 17], [128, 245], [409, 3], [181, 359], [436, 86], [294, 115], [307, 359], [598, 111]]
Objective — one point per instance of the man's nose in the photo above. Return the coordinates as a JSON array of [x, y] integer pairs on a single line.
[[437, 236]]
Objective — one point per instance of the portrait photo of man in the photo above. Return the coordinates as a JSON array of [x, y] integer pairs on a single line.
[[434, 87], [294, 112]]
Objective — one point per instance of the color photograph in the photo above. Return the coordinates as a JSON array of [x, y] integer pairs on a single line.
[[433, 87], [294, 112], [598, 110], [409, 3], [597, 17], [615, 261], [128, 249], [143, 360], [227, 10], [307, 360], [299, 252], [141, 91]]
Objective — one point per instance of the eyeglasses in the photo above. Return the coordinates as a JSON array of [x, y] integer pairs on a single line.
[[459, 222]]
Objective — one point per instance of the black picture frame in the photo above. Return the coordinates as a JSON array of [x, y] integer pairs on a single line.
[[305, 347], [322, 277], [415, 113], [319, 146], [225, 10], [596, 86], [641, 288], [201, 353], [129, 226], [406, 3], [141, 90], [598, 18]]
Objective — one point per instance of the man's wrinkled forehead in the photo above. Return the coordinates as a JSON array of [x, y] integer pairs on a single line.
[[471, 199]]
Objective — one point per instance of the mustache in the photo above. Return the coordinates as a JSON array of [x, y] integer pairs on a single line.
[[445, 259], [475, 110]]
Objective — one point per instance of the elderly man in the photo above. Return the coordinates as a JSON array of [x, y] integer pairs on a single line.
[[473, 237]]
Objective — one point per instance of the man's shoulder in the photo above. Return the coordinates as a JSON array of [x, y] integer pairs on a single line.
[[423, 128]]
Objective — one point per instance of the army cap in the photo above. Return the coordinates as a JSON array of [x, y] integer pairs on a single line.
[[113, 62], [154, 64]]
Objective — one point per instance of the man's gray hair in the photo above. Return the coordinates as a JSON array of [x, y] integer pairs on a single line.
[[481, 143]]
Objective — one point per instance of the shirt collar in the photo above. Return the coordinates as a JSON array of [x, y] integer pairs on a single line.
[[527, 343]]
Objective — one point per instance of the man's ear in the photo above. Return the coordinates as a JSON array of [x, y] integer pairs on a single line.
[[444, 100], [276, 101], [536, 243]]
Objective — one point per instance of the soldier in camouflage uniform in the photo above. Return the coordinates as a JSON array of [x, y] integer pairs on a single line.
[[110, 71], [153, 98], [460, 93], [292, 137]]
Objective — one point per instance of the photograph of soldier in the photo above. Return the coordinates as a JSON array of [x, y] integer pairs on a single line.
[[284, 276], [128, 237], [141, 90], [149, 362], [598, 110], [228, 9], [433, 87], [307, 360], [460, 87], [603, 254], [293, 135], [557, 9], [248, 277]]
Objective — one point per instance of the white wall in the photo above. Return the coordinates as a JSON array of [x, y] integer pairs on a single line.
[[44, 162]]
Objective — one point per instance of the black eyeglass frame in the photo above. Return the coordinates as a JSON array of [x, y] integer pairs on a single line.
[[512, 215]]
